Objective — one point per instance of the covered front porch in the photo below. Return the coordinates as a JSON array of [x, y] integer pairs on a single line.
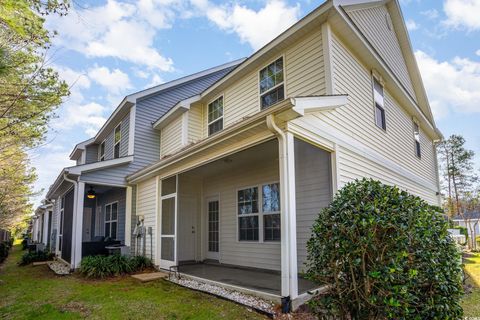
[[226, 221]]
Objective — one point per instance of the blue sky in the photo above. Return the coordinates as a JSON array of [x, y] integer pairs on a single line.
[[108, 49]]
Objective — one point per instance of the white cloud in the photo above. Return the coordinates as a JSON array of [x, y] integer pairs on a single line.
[[477, 52], [411, 25], [452, 86], [115, 81], [431, 14], [462, 14], [256, 28], [120, 30], [155, 81], [89, 116]]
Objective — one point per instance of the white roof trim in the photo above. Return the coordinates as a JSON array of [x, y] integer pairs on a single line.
[[180, 108], [132, 98], [303, 105], [98, 165], [80, 147]]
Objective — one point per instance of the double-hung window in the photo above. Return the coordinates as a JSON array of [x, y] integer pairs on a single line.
[[378, 97], [248, 214], [416, 136], [271, 84], [111, 216], [117, 139], [215, 116], [256, 221], [101, 156], [271, 211]]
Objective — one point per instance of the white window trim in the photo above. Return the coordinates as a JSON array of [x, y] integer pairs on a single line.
[[260, 214], [417, 138], [284, 83], [100, 155], [219, 118], [119, 141], [105, 221], [376, 78]]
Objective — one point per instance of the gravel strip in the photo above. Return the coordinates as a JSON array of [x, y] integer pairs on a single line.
[[244, 299], [59, 268]]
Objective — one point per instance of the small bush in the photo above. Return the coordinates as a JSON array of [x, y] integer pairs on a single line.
[[30, 257], [25, 244], [386, 255], [114, 265]]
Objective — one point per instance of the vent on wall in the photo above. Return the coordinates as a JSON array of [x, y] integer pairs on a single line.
[[388, 21]]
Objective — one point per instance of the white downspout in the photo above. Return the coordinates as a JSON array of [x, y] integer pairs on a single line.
[[284, 192], [74, 218]]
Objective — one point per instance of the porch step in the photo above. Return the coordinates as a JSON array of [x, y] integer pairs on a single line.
[[40, 263], [146, 277]]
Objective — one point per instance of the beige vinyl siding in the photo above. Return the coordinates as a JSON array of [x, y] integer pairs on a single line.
[[356, 119], [304, 75], [373, 24], [243, 253], [353, 166], [195, 124], [171, 137], [146, 206], [304, 67]]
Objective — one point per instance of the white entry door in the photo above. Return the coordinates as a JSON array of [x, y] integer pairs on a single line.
[[168, 223], [213, 228]]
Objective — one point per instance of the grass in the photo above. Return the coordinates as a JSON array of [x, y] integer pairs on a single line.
[[36, 293], [471, 301]]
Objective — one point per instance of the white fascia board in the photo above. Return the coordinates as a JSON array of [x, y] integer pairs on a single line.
[[77, 170], [77, 151], [303, 105], [180, 108]]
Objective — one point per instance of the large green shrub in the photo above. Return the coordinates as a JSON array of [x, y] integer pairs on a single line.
[[385, 255], [113, 265], [29, 257]]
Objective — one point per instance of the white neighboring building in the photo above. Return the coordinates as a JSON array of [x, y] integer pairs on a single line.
[[471, 221]]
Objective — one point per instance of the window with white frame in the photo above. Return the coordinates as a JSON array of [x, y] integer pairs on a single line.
[[271, 84], [378, 96], [416, 136], [215, 116], [111, 220], [271, 211], [101, 152], [250, 214], [117, 139]]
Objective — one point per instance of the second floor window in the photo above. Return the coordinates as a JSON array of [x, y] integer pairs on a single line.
[[380, 119], [271, 84], [117, 138], [215, 116], [101, 156], [416, 136]]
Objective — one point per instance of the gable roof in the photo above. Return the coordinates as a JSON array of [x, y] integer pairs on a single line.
[[335, 10]]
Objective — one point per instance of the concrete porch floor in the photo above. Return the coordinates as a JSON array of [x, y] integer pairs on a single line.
[[254, 279]]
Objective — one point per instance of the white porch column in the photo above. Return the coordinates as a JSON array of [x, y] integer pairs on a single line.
[[128, 216], [284, 218], [292, 215], [45, 228], [78, 225]]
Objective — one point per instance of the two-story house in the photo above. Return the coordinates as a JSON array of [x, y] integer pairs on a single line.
[[246, 165], [92, 199]]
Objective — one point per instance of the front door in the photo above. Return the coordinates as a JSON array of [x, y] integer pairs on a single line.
[[213, 228], [87, 224]]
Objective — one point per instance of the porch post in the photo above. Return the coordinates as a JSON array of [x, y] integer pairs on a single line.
[[128, 217], [284, 225], [78, 225], [292, 214]]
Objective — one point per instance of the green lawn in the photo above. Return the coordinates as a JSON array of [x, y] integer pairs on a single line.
[[471, 301], [36, 293]]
